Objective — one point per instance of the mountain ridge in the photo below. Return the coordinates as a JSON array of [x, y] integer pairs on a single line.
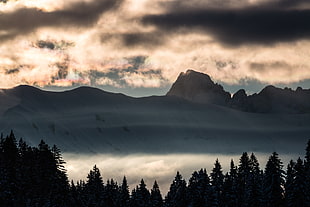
[[88, 120], [199, 87]]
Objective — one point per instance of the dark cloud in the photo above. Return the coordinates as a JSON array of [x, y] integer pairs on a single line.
[[147, 39], [136, 65], [135, 39], [267, 66], [12, 71], [80, 14], [45, 44], [53, 45], [263, 24]]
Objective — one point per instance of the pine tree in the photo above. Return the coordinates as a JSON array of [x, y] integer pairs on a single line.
[[8, 183], [307, 171], [274, 182], [141, 196], [111, 194], [217, 181], [176, 197], [198, 188], [243, 177], [156, 199], [299, 185], [230, 196], [254, 187], [123, 200], [94, 188], [289, 184], [60, 184]]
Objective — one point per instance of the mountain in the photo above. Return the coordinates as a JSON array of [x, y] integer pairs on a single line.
[[199, 88], [89, 120]]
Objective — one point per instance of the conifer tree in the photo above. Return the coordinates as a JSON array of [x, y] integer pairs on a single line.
[[94, 188], [217, 181], [176, 196], [199, 188], [254, 181], [273, 182], [307, 171], [8, 182], [123, 200], [299, 186], [141, 196], [156, 199], [230, 187], [111, 195], [243, 178], [289, 184]]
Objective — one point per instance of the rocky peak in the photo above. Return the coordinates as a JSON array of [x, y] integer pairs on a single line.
[[198, 87]]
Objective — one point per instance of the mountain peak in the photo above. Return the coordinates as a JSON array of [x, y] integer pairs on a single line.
[[198, 87]]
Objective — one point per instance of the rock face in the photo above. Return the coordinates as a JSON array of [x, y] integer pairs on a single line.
[[275, 100], [198, 87]]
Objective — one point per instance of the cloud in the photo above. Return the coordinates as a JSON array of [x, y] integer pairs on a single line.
[[142, 39], [135, 73], [53, 44], [11, 71], [79, 14], [266, 23], [135, 46]]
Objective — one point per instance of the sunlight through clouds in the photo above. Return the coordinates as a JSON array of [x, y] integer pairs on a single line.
[[100, 35]]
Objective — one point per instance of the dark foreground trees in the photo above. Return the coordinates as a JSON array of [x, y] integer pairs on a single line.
[[36, 177]]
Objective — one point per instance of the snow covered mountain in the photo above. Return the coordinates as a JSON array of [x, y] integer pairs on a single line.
[[90, 120]]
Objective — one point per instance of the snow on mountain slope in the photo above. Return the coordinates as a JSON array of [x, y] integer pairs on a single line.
[[93, 121]]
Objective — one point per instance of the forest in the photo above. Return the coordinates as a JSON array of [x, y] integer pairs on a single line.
[[36, 177]]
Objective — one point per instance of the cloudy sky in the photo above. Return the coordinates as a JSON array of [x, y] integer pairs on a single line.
[[139, 47]]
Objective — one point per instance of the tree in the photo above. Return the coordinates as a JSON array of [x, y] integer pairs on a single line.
[[94, 188], [8, 173], [274, 182], [176, 197], [217, 181], [156, 199], [123, 200], [307, 171], [60, 183], [230, 186], [199, 188], [298, 196], [141, 196], [243, 177], [289, 184], [253, 186], [111, 194]]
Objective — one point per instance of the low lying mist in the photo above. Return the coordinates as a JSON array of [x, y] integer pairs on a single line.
[[160, 167]]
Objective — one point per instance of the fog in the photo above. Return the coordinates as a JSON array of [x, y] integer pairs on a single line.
[[150, 167]]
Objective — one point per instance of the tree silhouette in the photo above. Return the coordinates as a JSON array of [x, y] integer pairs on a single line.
[[274, 182], [156, 199]]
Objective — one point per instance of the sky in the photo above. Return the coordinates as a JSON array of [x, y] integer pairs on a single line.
[[138, 47]]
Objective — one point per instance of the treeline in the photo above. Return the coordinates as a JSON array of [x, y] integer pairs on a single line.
[[36, 177]]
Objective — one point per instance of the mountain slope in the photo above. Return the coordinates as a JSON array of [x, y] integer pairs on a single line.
[[93, 121]]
